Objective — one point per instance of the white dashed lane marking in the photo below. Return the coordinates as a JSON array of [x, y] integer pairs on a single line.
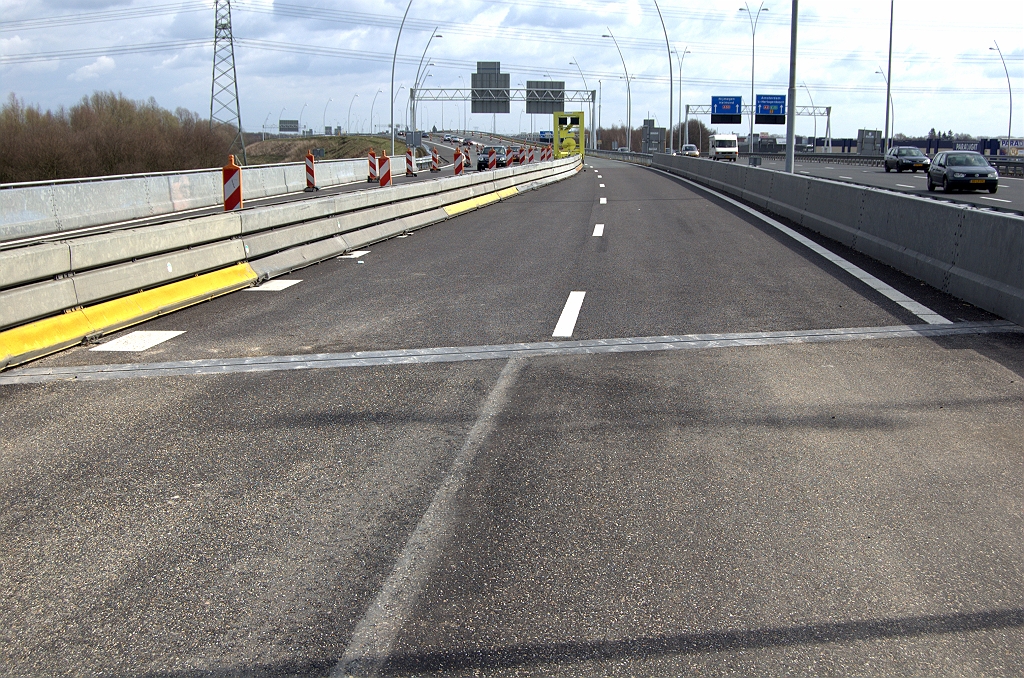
[[600, 185], [273, 286], [354, 255], [571, 311], [604, 201], [905, 186], [137, 341], [598, 230]]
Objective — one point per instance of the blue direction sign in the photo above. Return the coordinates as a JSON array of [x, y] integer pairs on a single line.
[[770, 109], [726, 110]]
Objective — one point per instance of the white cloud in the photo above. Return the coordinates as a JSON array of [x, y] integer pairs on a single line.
[[102, 65]]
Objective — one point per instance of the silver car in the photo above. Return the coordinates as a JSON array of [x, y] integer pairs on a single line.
[[965, 170]]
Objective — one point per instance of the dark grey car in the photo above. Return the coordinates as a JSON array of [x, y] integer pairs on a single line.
[[901, 158], [965, 170]]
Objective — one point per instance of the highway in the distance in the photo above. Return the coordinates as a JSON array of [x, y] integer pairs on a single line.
[[1009, 196], [616, 426]]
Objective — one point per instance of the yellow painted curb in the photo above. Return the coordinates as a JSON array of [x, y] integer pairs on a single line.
[[48, 335], [508, 192]]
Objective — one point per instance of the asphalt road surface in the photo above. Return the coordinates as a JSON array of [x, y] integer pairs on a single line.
[[640, 436], [1009, 196]]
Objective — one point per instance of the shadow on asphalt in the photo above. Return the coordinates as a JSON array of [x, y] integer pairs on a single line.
[[701, 643]]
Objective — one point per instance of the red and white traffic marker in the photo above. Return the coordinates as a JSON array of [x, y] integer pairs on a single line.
[[384, 164], [459, 162], [410, 163], [310, 173], [434, 160], [371, 175], [531, 153], [232, 185], [522, 155], [492, 159]]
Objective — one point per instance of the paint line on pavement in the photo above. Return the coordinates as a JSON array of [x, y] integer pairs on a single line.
[[375, 634], [842, 177], [354, 255], [985, 197], [886, 290], [905, 186], [39, 375], [600, 185], [604, 201], [598, 230], [137, 341], [273, 286], [570, 312]]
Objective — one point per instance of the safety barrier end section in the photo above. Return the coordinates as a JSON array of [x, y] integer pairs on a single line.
[[508, 192], [49, 335], [471, 204]]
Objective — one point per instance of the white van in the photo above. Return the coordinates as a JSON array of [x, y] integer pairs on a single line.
[[723, 147]]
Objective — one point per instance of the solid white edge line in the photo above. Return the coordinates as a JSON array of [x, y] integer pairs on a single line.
[[921, 311], [570, 312], [598, 230]]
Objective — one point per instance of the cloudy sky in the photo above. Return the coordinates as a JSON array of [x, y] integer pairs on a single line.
[[316, 58]]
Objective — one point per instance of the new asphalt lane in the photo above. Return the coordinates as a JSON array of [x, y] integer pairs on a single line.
[[844, 507]]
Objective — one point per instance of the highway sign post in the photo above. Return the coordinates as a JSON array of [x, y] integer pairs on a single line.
[[726, 110]]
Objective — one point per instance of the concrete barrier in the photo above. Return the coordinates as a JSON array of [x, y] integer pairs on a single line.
[[109, 265], [35, 209], [972, 254]]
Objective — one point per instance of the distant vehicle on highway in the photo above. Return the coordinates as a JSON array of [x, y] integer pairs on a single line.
[[723, 147], [964, 170], [690, 150], [901, 158], [513, 155], [484, 154], [447, 137]]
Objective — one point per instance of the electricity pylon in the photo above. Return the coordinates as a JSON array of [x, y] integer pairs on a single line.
[[224, 107]]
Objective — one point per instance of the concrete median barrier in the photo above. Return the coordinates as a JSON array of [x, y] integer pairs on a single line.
[[97, 269]]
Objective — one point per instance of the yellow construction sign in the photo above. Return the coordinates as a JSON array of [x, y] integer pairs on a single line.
[[569, 134]]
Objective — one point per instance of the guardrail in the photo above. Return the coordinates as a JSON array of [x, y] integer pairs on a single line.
[[975, 255], [41, 280]]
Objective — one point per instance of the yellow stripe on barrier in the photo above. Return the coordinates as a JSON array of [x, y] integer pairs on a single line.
[[42, 337], [471, 204]]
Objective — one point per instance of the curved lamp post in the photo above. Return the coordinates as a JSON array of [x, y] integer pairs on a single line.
[[380, 91], [804, 85], [668, 51], [680, 58], [393, 59], [587, 87], [629, 98], [324, 120], [1009, 125], [348, 117], [300, 117], [754, 17], [890, 110]]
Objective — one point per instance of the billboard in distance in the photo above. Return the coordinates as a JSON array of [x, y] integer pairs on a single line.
[[770, 109], [726, 110]]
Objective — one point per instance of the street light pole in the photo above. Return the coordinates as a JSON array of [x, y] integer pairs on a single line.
[[416, 81], [629, 98], [890, 112], [791, 117], [349, 116], [804, 84], [300, 117], [265, 125], [323, 120], [668, 51], [888, 79], [465, 122], [680, 57], [394, 58], [379, 91], [586, 87], [754, 18], [1009, 125]]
